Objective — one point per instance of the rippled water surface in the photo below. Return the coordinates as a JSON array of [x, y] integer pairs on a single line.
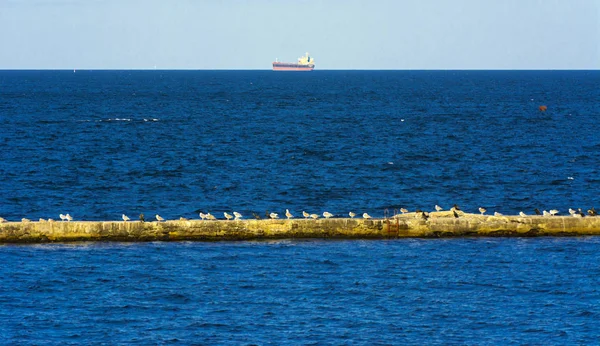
[[461, 291], [97, 144]]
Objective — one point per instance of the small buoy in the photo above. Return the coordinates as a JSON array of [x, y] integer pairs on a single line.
[[542, 108]]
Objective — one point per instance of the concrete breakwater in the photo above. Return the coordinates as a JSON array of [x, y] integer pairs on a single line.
[[439, 224]]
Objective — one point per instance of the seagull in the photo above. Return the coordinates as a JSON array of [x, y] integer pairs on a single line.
[[237, 215], [537, 212], [305, 214], [327, 214], [69, 217], [62, 217], [314, 216], [159, 218], [522, 214], [553, 212], [572, 212], [288, 214], [274, 216], [576, 214], [202, 216], [2, 220], [403, 210], [125, 218], [366, 216], [545, 213], [24, 220], [228, 216], [352, 215], [210, 216], [438, 208], [497, 214], [482, 210]]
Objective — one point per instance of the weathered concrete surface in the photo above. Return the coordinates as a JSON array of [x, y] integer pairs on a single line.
[[437, 225]]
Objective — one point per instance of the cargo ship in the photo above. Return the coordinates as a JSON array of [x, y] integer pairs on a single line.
[[305, 63]]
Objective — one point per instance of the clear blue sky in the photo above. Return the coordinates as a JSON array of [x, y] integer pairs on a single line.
[[339, 34]]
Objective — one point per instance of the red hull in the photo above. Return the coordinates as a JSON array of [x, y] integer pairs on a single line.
[[292, 67]]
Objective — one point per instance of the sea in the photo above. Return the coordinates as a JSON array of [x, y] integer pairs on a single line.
[[99, 144]]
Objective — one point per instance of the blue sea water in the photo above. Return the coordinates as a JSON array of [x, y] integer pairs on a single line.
[[97, 144]]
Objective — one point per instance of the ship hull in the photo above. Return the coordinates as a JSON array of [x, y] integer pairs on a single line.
[[292, 67]]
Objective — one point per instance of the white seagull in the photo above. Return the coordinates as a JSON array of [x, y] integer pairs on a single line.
[[314, 216], [522, 214], [438, 208], [305, 214], [125, 218], [327, 214], [403, 210], [159, 218], [553, 212], [62, 217], [366, 216], [352, 215], [228, 216], [2, 220], [482, 210], [202, 216], [24, 220], [288, 214], [69, 217], [274, 216], [497, 214], [237, 215], [210, 216]]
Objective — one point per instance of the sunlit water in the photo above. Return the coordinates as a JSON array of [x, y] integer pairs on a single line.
[[97, 144]]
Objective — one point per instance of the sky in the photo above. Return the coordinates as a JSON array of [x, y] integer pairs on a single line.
[[339, 34]]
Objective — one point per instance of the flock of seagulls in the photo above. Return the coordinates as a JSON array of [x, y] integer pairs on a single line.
[[418, 214]]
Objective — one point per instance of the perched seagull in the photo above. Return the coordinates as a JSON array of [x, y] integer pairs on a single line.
[[522, 214], [42, 220], [125, 218], [327, 214], [572, 212], [497, 214], [305, 214], [274, 216], [228, 216], [576, 214], [288, 214], [482, 210], [314, 216], [62, 217], [537, 211], [553, 212], [2, 220], [159, 218], [403, 210], [545, 213], [438, 208], [366, 216], [237, 215], [24, 220], [210, 216], [352, 215], [69, 217], [202, 216]]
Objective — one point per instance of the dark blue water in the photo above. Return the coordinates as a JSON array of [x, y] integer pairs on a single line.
[[460, 291], [97, 144]]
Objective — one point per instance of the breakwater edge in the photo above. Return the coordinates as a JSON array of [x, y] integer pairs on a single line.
[[410, 225]]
